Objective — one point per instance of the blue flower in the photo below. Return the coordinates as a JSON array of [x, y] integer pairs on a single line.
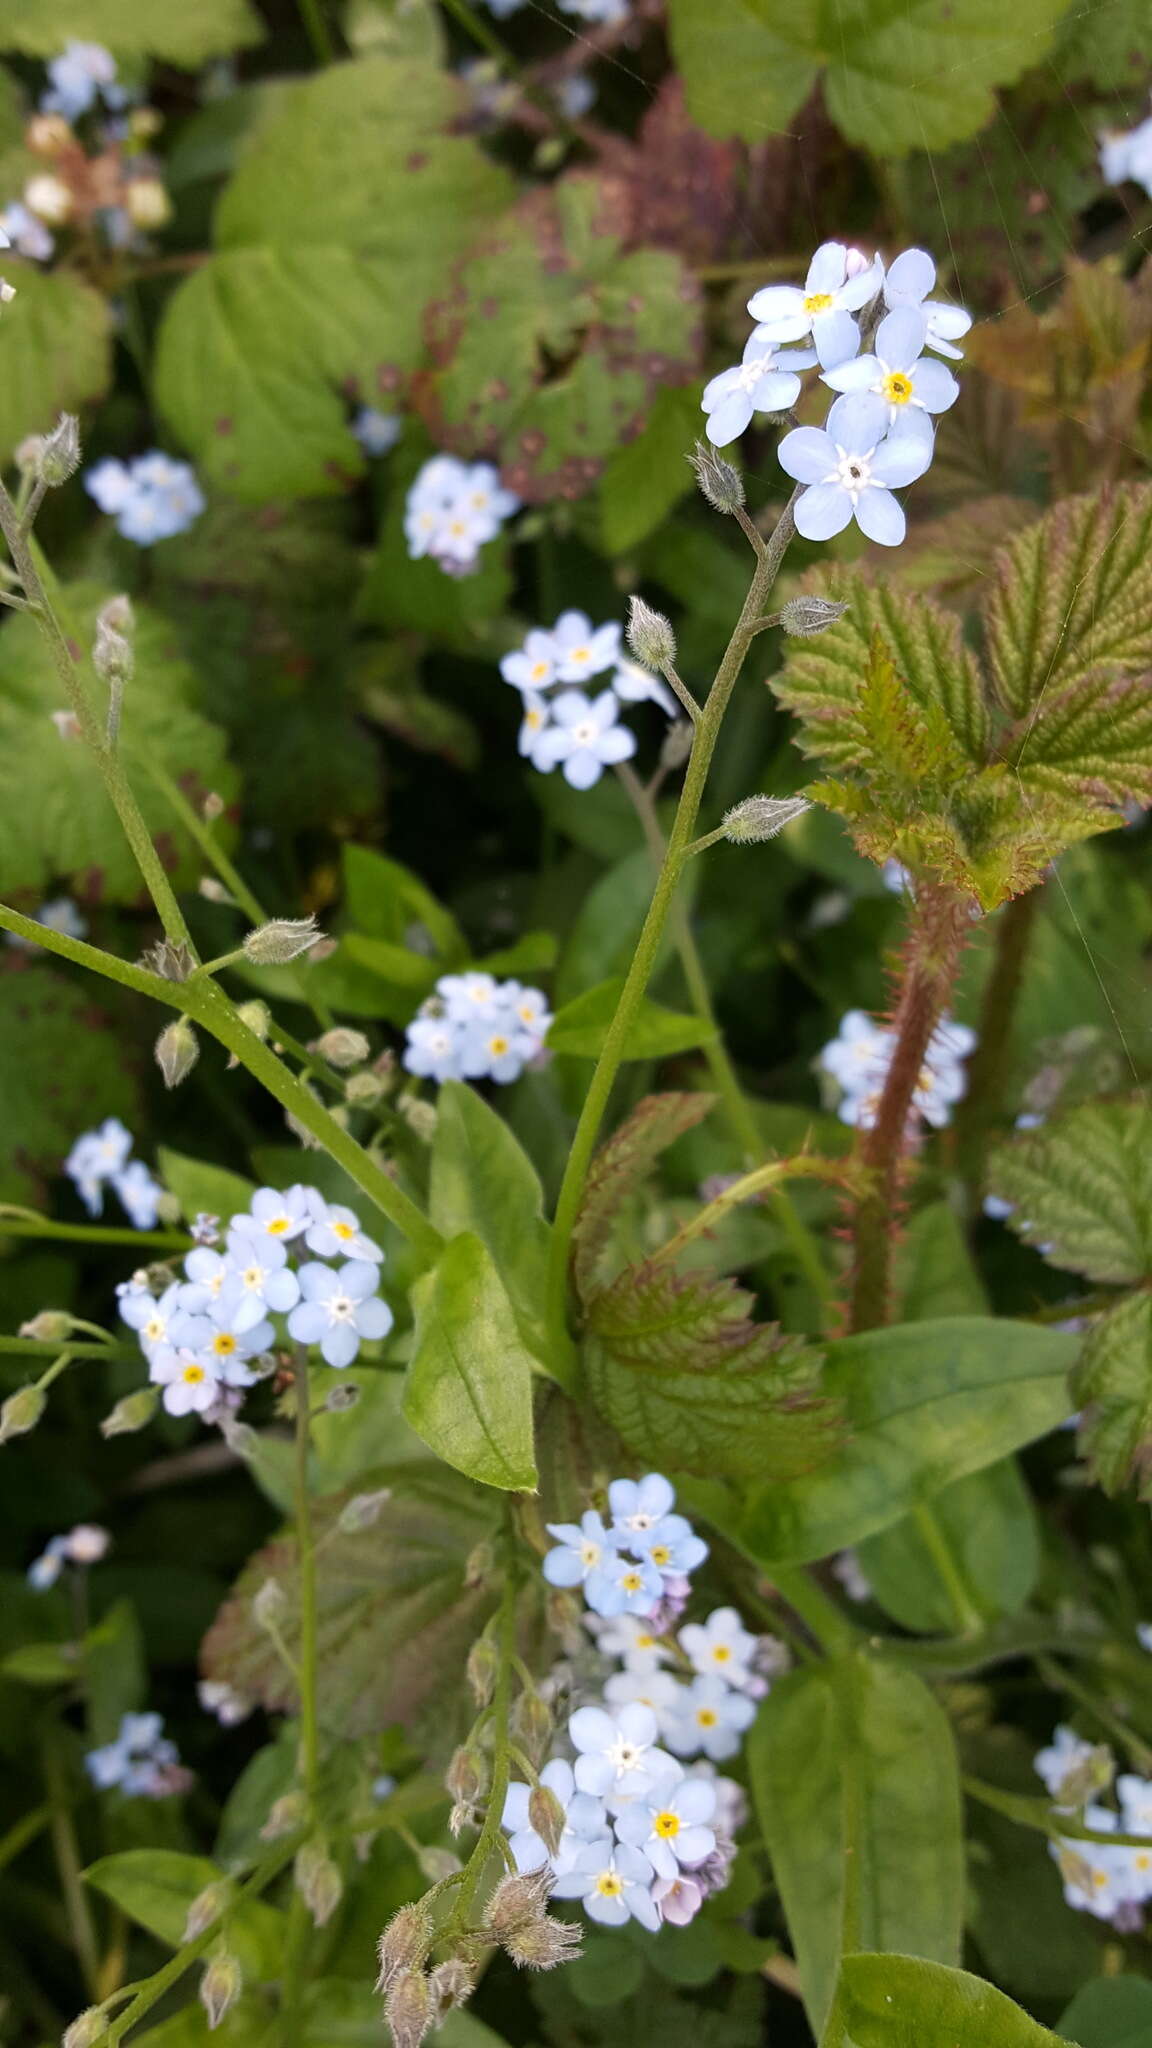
[[582, 1552], [151, 498], [840, 282], [671, 1546], [910, 278], [336, 1234], [339, 1309], [638, 1504], [617, 1756], [140, 1194], [614, 1885], [95, 1158], [585, 1820], [376, 432], [670, 1825], [851, 467], [585, 737], [82, 74], [898, 372], [764, 382], [709, 1718]]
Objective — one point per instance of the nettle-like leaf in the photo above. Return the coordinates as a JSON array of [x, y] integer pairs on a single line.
[[59, 1064], [618, 1169], [555, 341], [55, 350], [1113, 1382], [321, 275], [187, 34], [396, 1617], [678, 1366], [1082, 1190]]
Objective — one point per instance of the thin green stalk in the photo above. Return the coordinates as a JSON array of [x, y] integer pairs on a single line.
[[762, 1180], [306, 1551], [1058, 1827], [969, 1619], [1060, 1680], [644, 958], [68, 1866], [36, 1347], [820, 1614], [25, 1830], [316, 30], [93, 1233], [489, 1837]]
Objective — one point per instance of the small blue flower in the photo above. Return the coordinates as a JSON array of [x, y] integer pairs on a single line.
[[851, 468], [376, 432], [140, 1193], [910, 279], [614, 1885], [82, 74], [711, 1718], [672, 1546], [899, 372], [765, 381], [585, 1820], [581, 1553], [585, 737], [339, 1309], [95, 1158], [670, 1826], [336, 1234]]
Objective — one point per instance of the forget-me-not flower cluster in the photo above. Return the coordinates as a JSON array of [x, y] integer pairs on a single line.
[[475, 1028], [86, 1544], [101, 1159], [859, 1057], [151, 498], [290, 1254], [452, 508], [80, 77], [1111, 1883], [646, 1833], [563, 724], [142, 1762], [879, 433]]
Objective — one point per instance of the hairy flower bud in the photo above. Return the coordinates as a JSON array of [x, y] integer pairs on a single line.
[[719, 481], [467, 1775], [206, 1907], [112, 655], [408, 2009], [450, 1984], [544, 1945], [134, 1412], [480, 1565], [21, 1412], [173, 960], [546, 1816], [482, 1668], [270, 1605], [213, 807], [220, 1986], [518, 1902], [51, 1326], [343, 1047], [256, 1017], [406, 1940], [531, 1723], [318, 1882], [650, 635], [677, 744], [342, 1397], [284, 1817], [212, 890], [362, 1510], [60, 451], [803, 617], [87, 2029], [284, 939], [176, 1051], [147, 203], [762, 817]]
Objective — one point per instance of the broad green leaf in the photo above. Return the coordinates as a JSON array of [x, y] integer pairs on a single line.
[[1113, 1380], [655, 1033], [397, 1618], [1072, 595], [935, 1271], [1104, 46], [1088, 740], [677, 1365], [924, 1404], [648, 476], [198, 1186], [1046, 1952], [857, 1790], [187, 34], [55, 350], [41, 1664], [553, 343], [746, 80], [990, 1526], [246, 2025], [386, 900], [1110, 2012], [320, 278], [60, 1070], [156, 1887], [902, 2002], [468, 1390], [56, 819], [483, 1181], [619, 1167], [115, 1670], [603, 937], [1082, 1189]]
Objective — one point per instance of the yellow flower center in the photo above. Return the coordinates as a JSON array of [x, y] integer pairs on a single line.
[[154, 1329], [645, 1642], [344, 1230], [706, 1717], [223, 1344], [721, 1654], [538, 671], [193, 1374], [632, 1582], [589, 1555], [278, 1226], [253, 1276], [660, 1554], [609, 1885], [667, 1826], [897, 388], [533, 720], [581, 654], [817, 302], [498, 1047]]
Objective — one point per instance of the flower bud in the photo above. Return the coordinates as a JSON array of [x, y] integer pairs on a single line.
[[134, 1412], [240, 1437], [343, 1047], [285, 1815], [344, 1396], [546, 1816], [147, 203], [213, 807], [467, 1775], [408, 2009], [480, 1565], [650, 635], [21, 1412], [47, 134], [176, 1051], [450, 1984], [406, 1940], [87, 2029], [762, 817], [213, 891], [483, 1664], [206, 1907], [531, 1724], [270, 1605], [518, 1902], [220, 1986], [284, 939], [256, 1017], [362, 1510], [720, 482], [364, 1091], [803, 617], [49, 198], [60, 451], [544, 1945], [318, 1882], [420, 1117], [51, 1326], [112, 654], [171, 959]]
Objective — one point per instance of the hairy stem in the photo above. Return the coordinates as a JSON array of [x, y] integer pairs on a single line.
[[489, 1835], [988, 1066], [643, 960]]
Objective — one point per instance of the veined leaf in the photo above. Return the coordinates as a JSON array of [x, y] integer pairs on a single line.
[[468, 1390], [857, 1789], [156, 1887], [902, 2002], [1082, 1189], [484, 1181], [58, 1058], [991, 1528], [1114, 1382], [55, 346], [187, 34], [1089, 739], [620, 1166]]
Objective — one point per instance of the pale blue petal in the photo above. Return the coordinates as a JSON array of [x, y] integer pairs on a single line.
[[374, 1318], [583, 769], [694, 1844], [718, 388], [340, 1345], [780, 302], [777, 391], [857, 421], [901, 459], [880, 516], [910, 278], [807, 453], [823, 510], [900, 337], [729, 418], [936, 387], [836, 337], [561, 1567], [609, 1912], [307, 1323], [859, 375], [826, 270]]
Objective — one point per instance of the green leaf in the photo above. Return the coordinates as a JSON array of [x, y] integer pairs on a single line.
[[746, 82], [1110, 2012], [155, 1887], [553, 343], [55, 349], [1113, 1381], [42, 1664], [115, 1670], [60, 1063], [857, 1790], [387, 901], [1082, 1189], [901, 2002], [619, 1167], [1089, 740], [320, 279], [924, 1405], [990, 1526], [56, 819], [680, 1369], [396, 1617], [648, 476], [468, 1390], [186, 35], [245, 2025], [198, 1186], [484, 1181], [935, 1271], [655, 1033]]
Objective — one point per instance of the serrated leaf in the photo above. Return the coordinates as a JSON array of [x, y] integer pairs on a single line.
[[857, 1788], [60, 1069], [1089, 740], [1082, 1189], [320, 278], [680, 1369], [1114, 1382], [468, 1388], [55, 350], [56, 819], [552, 285], [155, 1887], [619, 1167], [903, 2002], [1073, 595], [187, 34], [396, 1619]]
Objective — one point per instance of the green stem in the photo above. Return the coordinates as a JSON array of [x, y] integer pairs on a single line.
[[489, 1837], [969, 1619], [89, 1233], [316, 30], [820, 1614], [306, 1551], [68, 1866], [644, 958], [988, 1066], [1060, 1680], [1031, 1813], [763, 1180], [36, 1347]]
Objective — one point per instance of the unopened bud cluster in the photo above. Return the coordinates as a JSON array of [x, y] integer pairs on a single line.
[[719, 480], [177, 1051], [650, 635], [762, 817], [112, 652], [803, 617], [283, 939]]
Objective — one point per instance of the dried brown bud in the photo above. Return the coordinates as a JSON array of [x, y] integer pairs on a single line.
[[21, 1412], [518, 1902], [176, 1051], [134, 1412], [220, 1986], [467, 1775], [47, 135], [406, 1940], [721, 484], [318, 1882], [803, 617], [650, 635], [762, 817], [450, 1984], [408, 2009], [343, 1047], [544, 1945], [283, 939]]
